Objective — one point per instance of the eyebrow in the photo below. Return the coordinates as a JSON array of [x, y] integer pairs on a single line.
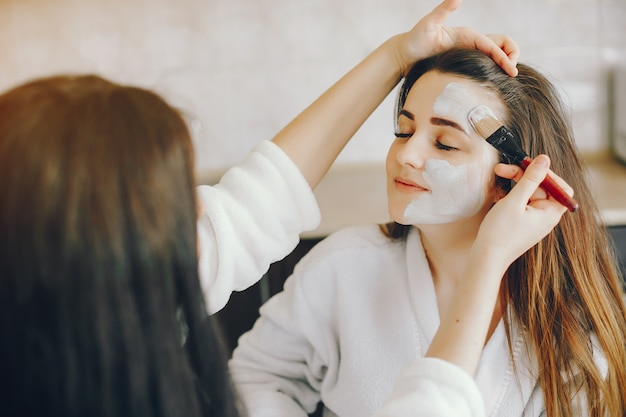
[[438, 121]]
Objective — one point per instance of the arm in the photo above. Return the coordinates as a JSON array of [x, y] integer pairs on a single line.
[[278, 365], [431, 387], [316, 136], [252, 218]]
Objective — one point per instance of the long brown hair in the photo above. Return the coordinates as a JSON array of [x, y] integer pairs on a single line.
[[567, 287], [101, 312]]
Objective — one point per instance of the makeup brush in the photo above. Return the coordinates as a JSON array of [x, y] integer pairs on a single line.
[[486, 124]]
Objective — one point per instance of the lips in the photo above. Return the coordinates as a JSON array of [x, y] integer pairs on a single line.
[[408, 185]]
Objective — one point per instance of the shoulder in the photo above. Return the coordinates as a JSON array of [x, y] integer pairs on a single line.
[[352, 249], [354, 239], [354, 257]]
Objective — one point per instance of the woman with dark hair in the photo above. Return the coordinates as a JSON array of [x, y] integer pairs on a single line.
[[101, 304], [479, 298], [100, 312]]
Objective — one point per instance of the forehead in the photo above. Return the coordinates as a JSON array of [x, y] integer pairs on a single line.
[[448, 95]]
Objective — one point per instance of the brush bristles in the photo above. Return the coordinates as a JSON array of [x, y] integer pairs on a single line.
[[484, 122]]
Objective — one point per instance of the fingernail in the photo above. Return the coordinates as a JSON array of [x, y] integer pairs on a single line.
[[542, 161]]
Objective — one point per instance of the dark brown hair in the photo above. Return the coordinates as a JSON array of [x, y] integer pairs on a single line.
[[567, 286], [101, 312]]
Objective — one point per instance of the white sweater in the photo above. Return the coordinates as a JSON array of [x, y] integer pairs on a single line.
[[251, 218], [355, 320]]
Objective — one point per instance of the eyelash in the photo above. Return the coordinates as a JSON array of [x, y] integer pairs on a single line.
[[438, 144], [403, 135], [443, 147]]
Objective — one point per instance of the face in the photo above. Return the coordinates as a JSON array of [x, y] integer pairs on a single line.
[[439, 170]]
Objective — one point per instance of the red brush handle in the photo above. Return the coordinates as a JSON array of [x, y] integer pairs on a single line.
[[552, 188]]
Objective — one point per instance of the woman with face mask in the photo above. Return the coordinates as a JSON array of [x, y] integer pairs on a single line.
[[479, 298]]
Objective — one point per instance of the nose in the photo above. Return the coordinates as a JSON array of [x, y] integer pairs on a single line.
[[412, 151]]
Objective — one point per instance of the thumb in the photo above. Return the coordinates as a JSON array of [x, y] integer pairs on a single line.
[[443, 10], [533, 176]]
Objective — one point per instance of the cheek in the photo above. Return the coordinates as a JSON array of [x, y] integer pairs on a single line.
[[391, 159], [389, 169], [388, 159], [454, 181], [389, 176], [476, 180], [456, 192]]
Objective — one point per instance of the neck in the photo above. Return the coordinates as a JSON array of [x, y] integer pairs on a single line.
[[447, 247]]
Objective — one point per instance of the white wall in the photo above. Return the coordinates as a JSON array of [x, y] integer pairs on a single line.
[[241, 69]]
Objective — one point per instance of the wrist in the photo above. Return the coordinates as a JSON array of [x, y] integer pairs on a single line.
[[393, 47], [487, 264]]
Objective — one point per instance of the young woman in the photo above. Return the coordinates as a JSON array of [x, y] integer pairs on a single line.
[[245, 230], [101, 312], [482, 298]]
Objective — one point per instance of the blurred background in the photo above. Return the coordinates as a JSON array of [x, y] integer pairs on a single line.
[[241, 69]]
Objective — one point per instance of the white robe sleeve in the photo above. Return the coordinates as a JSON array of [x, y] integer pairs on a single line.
[[279, 365], [432, 387], [251, 218]]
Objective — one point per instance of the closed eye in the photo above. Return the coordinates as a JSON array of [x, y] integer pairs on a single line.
[[443, 147], [403, 135]]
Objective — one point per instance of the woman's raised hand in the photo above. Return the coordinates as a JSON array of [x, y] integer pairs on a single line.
[[429, 36]]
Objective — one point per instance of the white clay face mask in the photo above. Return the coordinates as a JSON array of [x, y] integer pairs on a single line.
[[454, 103], [456, 192]]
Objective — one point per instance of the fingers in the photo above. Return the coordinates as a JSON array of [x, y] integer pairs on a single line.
[[506, 53], [440, 13], [430, 36], [508, 171], [507, 45], [501, 48], [515, 173], [532, 178], [528, 189]]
